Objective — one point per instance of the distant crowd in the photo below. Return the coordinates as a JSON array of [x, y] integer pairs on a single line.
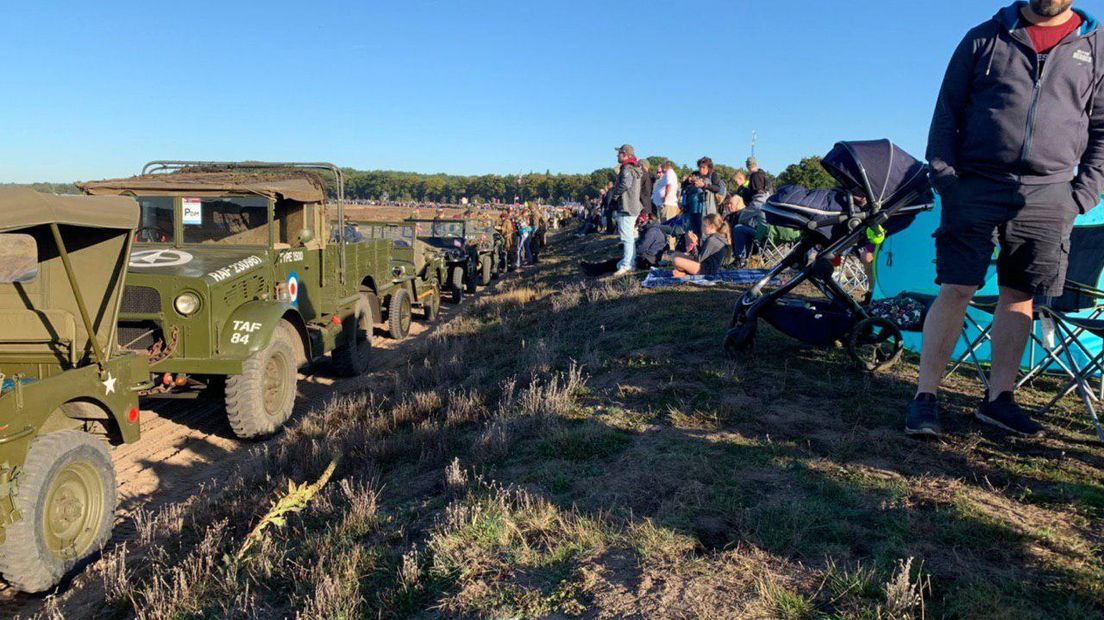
[[698, 223]]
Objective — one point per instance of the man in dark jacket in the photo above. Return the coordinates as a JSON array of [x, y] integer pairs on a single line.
[[759, 183], [626, 197], [1017, 152]]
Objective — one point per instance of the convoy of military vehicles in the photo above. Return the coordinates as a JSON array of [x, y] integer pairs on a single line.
[[189, 278]]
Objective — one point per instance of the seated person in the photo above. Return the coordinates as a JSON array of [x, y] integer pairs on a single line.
[[740, 225], [706, 257], [352, 234], [650, 248]]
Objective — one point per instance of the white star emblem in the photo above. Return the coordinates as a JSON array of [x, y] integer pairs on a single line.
[[109, 384]]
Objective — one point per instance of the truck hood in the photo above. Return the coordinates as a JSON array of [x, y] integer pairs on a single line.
[[213, 264]]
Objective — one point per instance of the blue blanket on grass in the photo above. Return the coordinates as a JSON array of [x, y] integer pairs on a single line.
[[662, 278]]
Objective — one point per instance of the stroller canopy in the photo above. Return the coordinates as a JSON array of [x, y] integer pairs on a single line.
[[894, 183], [885, 174]]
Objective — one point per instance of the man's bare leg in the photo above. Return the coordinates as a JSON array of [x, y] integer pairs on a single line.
[[942, 329], [1011, 329]]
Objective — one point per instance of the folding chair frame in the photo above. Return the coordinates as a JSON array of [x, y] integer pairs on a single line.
[[1051, 357], [1081, 375]]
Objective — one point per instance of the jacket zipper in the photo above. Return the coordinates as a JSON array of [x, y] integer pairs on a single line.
[[1040, 76], [1030, 133]]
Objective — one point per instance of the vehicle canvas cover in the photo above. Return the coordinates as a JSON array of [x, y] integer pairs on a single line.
[[297, 186], [23, 208], [95, 231]]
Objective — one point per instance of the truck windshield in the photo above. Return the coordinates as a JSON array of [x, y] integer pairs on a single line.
[[441, 228], [231, 220], [156, 220]]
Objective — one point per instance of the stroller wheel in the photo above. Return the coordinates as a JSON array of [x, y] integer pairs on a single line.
[[875, 344], [740, 338]]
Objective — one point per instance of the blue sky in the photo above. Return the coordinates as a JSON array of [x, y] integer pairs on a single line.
[[95, 89]]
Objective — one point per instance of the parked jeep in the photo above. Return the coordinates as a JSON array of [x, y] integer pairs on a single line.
[[235, 277], [474, 252], [66, 389], [418, 271]]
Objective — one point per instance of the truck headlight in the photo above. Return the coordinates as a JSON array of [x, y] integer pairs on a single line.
[[186, 303]]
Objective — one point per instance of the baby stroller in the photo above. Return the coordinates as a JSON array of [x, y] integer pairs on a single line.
[[834, 223]]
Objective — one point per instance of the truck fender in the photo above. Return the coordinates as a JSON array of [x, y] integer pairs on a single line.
[[250, 328]]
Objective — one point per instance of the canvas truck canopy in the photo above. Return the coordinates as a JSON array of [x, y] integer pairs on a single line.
[[302, 187], [24, 208], [41, 319]]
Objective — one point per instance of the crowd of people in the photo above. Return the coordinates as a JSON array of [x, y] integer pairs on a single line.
[[697, 223]]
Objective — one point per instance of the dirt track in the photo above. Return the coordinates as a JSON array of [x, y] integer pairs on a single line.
[[187, 445]]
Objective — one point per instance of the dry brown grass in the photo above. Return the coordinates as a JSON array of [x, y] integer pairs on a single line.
[[573, 448]]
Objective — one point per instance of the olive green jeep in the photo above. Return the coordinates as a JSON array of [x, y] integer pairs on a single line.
[[473, 251], [418, 271], [67, 389], [236, 277]]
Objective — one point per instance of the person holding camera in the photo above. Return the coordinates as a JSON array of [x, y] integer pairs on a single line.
[[703, 190]]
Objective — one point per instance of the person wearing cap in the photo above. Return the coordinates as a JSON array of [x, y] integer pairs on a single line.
[[626, 201], [759, 190]]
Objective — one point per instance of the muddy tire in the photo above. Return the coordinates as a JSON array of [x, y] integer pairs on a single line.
[[398, 315], [260, 400], [486, 268], [354, 357], [457, 285], [292, 334], [66, 496], [432, 306]]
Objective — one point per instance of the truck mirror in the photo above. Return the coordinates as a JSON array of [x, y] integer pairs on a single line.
[[306, 236], [18, 258]]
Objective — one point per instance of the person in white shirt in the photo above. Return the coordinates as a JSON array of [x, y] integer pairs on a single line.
[[665, 194]]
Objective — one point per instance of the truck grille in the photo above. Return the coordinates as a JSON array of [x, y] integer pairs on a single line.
[[138, 335], [141, 299]]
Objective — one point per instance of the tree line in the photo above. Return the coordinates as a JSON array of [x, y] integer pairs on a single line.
[[544, 187], [547, 187]]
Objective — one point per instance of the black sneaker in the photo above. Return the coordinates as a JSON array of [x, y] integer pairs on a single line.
[[1005, 414], [922, 416]]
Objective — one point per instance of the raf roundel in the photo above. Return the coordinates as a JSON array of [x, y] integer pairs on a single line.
[[293, 287]]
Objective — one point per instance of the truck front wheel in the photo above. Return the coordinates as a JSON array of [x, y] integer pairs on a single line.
[[66, 497], [486, 266], [432, 306], [398, 315], [261, 399], [457, 281]]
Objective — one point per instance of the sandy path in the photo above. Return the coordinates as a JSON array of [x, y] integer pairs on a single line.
[[188, 444]]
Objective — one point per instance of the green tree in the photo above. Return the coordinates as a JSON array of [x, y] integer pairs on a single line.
[[807, 173]]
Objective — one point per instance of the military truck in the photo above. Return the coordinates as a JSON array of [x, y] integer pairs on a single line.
[[418, 271], [473, 251], [66, 389], [235, 279]]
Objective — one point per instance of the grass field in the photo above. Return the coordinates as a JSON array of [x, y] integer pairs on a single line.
[[571, 448]]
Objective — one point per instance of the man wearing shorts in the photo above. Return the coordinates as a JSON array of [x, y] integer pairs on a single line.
[[1017, 152]]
